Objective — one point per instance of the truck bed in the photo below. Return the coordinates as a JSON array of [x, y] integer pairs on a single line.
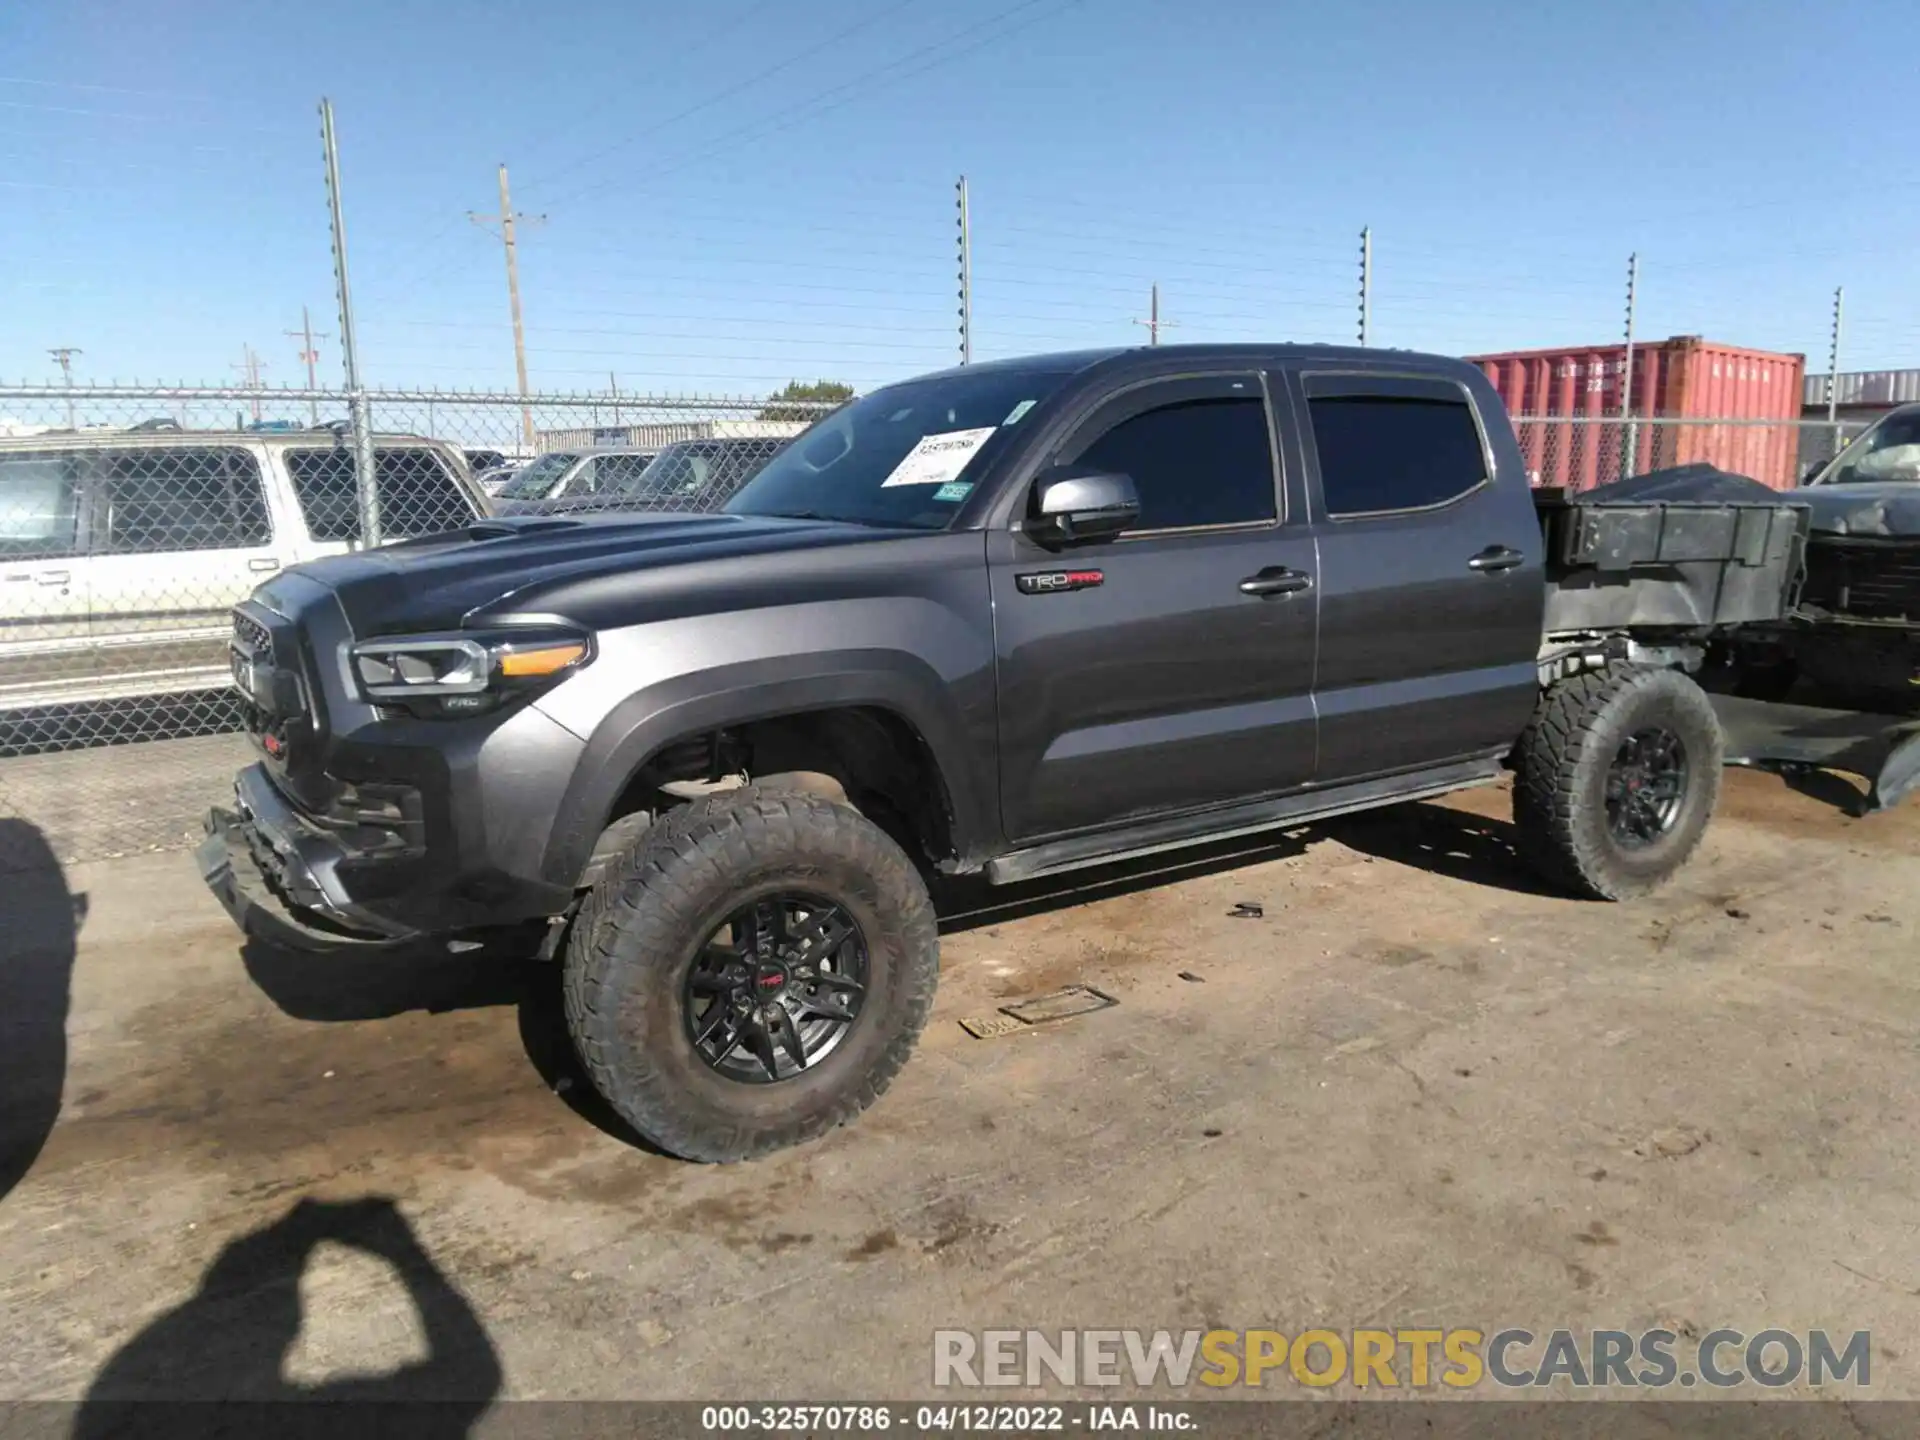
[[1621, 560]]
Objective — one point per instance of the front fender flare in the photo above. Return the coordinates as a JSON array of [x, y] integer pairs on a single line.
[[761, 689]]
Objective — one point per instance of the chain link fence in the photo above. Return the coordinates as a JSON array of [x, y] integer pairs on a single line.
[[132, 520], [1580, 452]]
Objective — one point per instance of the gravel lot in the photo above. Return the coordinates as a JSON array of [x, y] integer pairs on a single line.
[[1414, 1090]]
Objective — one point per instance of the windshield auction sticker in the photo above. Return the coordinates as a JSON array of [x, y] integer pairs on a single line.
[[938, 458]]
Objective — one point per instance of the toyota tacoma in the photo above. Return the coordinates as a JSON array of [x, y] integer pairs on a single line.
[[1009, 620]]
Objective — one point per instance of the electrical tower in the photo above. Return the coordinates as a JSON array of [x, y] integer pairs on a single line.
[[309, 356], [507, 220]]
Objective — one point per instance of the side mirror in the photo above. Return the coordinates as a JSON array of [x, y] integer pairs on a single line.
[[1076, 507], [1807, 475]]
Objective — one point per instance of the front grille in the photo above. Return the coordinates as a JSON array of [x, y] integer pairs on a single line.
[[1871, 579], [252, 638]]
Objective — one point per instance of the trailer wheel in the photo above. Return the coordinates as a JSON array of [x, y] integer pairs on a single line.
[[1617, 775]]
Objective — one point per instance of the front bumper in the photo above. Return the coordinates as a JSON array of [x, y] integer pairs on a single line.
[[277, 876]]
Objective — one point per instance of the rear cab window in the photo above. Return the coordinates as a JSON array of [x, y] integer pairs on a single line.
[[417, 492]]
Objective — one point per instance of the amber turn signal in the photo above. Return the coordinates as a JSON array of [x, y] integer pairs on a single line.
[[547, 660]]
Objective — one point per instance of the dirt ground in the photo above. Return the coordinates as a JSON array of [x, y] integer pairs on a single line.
[[1415, 1089]]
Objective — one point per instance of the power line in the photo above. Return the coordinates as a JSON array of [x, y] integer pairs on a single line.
[[757, 127], [103, 89], [731, 90], [681, 57]]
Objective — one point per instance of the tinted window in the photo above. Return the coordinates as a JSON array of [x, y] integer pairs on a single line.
[[176, 499], [1380, 452], [1199, 462], [37, 507], [418, 496]]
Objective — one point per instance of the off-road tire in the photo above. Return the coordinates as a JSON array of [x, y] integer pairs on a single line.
[[639, 929], [1562, 764]]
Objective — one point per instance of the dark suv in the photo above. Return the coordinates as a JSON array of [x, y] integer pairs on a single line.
[[1009, 620]]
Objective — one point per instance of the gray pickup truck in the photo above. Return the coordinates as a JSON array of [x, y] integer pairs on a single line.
[[1008, 620]]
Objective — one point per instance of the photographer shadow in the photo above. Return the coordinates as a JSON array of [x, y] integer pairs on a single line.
[[230, 1341], [39, 936]]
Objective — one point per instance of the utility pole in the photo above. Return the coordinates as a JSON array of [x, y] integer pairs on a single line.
[[309, 356], [1833, 368], [1366, 282], [1631, 447], [366, 491], [966, 277], [63, 357], [1153, 322], [613, 384], [1833, 362], [507, 220], [249, 367]]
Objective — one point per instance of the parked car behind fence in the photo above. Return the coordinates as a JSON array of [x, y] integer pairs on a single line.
[[693, 475], [571, 474], [120, 557]]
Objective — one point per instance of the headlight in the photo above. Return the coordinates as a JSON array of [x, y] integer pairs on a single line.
[[464, 674]]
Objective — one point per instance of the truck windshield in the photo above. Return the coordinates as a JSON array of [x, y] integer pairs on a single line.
[[907, 455], [533, 481], [1888, 451]]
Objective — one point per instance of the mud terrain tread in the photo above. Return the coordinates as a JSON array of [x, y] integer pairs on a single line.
[[644, 907], [1572, 730]]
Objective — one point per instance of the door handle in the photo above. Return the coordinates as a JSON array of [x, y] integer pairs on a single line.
[[1276, 580], [53, 577], [1495, 558], [263, 563]]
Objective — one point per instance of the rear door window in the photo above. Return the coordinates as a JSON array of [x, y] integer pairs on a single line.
[[418, 494], [1387, 444], [39, 506], [174, 498]]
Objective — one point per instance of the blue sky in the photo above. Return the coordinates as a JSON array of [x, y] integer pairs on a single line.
[[743, 192]]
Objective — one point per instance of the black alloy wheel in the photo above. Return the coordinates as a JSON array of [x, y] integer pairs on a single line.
[[776, 987], [1646, 787]]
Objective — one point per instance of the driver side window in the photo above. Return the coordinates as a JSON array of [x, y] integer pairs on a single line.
[[1200, 457]]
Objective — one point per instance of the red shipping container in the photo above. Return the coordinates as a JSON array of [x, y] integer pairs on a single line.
[[1685, 378]]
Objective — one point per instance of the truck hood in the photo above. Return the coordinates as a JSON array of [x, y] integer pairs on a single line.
[[1884, 508], [586, 568]]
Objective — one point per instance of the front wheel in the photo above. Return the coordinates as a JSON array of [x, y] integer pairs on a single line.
[[751, 973], [1617, 775]]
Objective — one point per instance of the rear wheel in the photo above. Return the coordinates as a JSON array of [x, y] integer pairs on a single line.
[[750, 973], [1617, 775]]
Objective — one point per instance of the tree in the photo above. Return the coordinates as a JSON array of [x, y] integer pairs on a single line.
[[820, 394]]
